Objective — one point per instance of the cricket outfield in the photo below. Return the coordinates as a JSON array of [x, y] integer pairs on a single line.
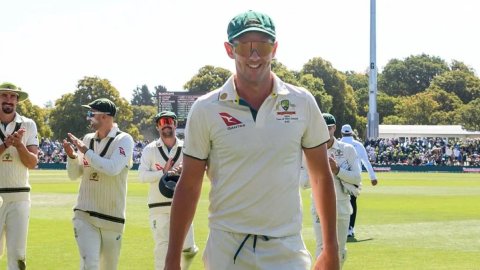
[[408, 221]]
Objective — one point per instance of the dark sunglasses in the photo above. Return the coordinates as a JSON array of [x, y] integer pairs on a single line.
[[246, 49], [166, 121], [91, 114]]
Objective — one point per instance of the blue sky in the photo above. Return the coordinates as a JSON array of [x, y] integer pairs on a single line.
[[47, 46]]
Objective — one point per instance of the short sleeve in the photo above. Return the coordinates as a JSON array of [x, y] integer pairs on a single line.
[[316, 132], [197, 137]]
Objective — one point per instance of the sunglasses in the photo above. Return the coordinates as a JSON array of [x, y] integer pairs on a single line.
[[246, 49], [166, 121], [91, 114]]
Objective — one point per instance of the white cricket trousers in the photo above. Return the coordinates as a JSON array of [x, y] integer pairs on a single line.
[[99, 248], [14, 218], [160, 225], [225, 251], [343, 221]]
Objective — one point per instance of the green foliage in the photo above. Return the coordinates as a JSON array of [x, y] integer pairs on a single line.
[[143, 116], [142, 96], [417, 109], [357, 81], [410, 76], [345, 107], [315, 86], [462, 83], [38, 115], [469, 115], [69, 116], [208, 78], [284, 74]]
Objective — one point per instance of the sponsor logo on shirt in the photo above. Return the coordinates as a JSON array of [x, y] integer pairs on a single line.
[[122, 151], [231, 121]]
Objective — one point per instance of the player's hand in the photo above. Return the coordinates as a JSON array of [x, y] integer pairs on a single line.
[[77, 142], [68, 149], [16, 138], [333, 165], [327, 261], [178, 169], [374, 182], [168, 166]]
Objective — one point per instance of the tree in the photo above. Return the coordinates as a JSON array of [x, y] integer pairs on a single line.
[[38, 115], [357, 81], [410, 76], [315, 86], [462, 83], [142, 96], [207, 79], [336, 86], [143, 117], [284, 73], [416, 109], [469, 115], [69, 116]]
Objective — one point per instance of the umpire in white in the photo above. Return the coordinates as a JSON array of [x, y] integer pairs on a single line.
[[161, 158], [102, 160], [344, 166], [18, 154]]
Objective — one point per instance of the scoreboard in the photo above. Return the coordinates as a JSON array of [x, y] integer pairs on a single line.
[[177, 102]]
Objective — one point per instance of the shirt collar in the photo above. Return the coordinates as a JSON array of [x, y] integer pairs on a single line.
[[160, 143], [228, 91], [111, 134]]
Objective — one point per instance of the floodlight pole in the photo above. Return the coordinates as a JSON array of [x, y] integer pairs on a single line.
[[372, 117]]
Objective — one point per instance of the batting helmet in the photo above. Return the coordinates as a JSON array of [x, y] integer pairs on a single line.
[[167, 184]]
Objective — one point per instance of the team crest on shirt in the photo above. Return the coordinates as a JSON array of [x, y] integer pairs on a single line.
[[231, 121], [94, 176], [286, 111], [7, 157]]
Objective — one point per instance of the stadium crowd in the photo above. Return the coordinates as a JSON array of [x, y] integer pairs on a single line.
[[424, 151], [393, 151]]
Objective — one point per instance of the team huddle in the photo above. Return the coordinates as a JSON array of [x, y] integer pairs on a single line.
[[250, 136]]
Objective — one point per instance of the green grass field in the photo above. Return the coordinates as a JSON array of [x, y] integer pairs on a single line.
[[408, 221]]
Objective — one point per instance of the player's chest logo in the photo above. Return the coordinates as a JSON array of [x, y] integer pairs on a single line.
[[285, 111], [7, 157], [94, 176]]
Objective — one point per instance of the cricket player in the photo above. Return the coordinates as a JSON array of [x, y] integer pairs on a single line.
[[344, 165], [347, 137], [102, 160], [18, 154], [160, 157], [251, 133]]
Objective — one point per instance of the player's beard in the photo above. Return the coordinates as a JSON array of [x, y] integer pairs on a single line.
[[8, 108], [167, 132]]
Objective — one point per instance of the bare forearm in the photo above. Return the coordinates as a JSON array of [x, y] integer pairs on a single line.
[[183, 210], [28, 157]]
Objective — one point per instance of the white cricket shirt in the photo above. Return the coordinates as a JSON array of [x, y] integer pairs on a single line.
[[254, 165]]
